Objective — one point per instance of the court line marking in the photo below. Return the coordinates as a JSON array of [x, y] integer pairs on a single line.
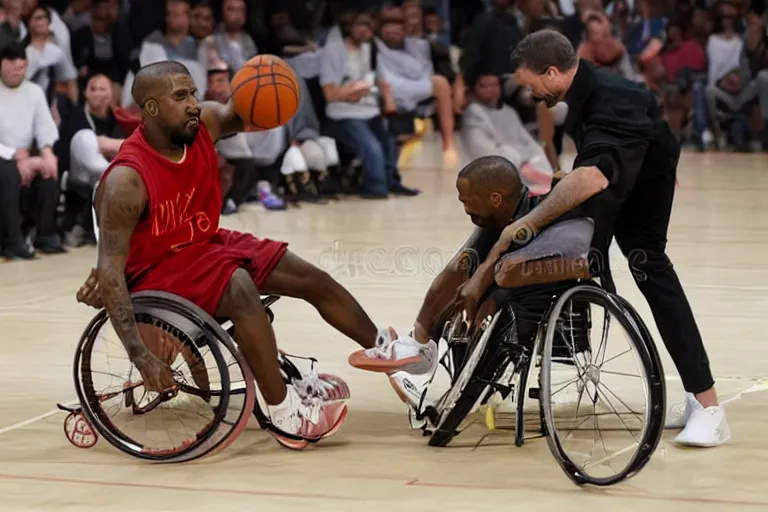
[[217, 490], [35, 419], [760, 384]]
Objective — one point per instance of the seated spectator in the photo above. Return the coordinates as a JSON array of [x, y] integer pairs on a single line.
[[201, 23], [599, 46], [174, 43], [28, 167], [45, 59], [441, 53], [413, 19], [730, 89], [679, 62], [102, 47], [645, 37], [406, 65], [248, 168], [300, 51], [353, 96], [488, 48], [756, 51], [12, 29], [490, 127], [320, 155], [229, 42], [58, 29], [77, 15], [90, 139]]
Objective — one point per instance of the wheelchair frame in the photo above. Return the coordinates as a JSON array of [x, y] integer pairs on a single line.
[[83, 427], [477, 383]]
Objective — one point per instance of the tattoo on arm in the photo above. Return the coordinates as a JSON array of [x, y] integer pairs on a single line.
[[575, 188], [121, 204]]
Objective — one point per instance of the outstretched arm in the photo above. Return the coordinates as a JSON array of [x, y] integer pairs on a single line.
[[221, 120], [122, 199]]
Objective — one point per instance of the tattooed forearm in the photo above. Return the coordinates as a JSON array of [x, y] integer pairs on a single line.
[[117, 301], [575, 188], [121, 204]]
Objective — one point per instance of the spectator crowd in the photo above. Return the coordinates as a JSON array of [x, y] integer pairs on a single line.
[[368, 75]]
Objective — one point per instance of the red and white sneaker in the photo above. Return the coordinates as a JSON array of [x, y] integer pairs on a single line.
[[401, 354], [297, 422]]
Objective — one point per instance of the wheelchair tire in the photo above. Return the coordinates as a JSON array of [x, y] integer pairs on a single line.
[[485, 360], [651, 364], [196, 330]]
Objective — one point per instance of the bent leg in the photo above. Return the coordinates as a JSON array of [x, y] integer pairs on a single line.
[[241, 303], [441, 90]]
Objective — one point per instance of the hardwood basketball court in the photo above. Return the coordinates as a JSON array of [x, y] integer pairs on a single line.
[[386, 253]]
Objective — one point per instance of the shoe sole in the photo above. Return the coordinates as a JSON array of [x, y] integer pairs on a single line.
[[400, 393], [301, 444], [360, 361]]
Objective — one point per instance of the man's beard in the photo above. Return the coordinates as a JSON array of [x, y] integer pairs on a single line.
[[184, 137]]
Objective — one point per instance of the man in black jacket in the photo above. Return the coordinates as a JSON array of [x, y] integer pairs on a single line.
[[624, 178]]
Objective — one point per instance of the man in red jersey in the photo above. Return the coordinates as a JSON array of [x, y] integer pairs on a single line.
[[158, 207]]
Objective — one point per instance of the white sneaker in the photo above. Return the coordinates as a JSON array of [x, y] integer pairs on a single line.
[[705, 427], [412, 389], [402, 354], [678, 414], [300, 422]]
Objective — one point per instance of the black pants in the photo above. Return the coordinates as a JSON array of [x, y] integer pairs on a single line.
[[248, 173], [26, 207], [641, 232]]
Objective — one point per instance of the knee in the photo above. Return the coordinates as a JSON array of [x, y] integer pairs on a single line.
[[440, 85], [240, 298], [762, 80], [372, 151]]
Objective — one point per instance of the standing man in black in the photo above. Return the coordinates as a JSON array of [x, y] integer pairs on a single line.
[[624, 178]]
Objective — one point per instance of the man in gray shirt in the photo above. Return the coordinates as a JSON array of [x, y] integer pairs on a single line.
[[26, 124], [348, 78]]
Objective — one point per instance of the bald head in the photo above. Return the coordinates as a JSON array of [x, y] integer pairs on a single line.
[[490, 189], [156, 79], [492, 174]]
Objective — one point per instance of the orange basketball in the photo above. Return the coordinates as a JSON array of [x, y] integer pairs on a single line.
[[265, 92]]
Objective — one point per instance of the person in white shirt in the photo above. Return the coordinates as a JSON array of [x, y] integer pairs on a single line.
[[492, 128], [45, 59], [730, 89], [25, 123]]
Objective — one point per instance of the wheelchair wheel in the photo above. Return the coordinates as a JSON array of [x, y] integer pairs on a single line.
[[478, 362], [584, 427], [216, 389]]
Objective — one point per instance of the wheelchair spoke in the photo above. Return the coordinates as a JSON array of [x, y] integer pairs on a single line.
[[622, 374], [603, 339], [616, 356], [631, 431], [568, 383]]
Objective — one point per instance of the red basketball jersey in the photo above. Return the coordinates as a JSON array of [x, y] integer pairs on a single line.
[[184, 198]]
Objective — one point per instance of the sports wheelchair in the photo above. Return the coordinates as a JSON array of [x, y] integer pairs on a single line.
[[216, 392], [488, 361]]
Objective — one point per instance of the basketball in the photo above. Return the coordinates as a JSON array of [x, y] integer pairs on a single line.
[[265, 92]]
